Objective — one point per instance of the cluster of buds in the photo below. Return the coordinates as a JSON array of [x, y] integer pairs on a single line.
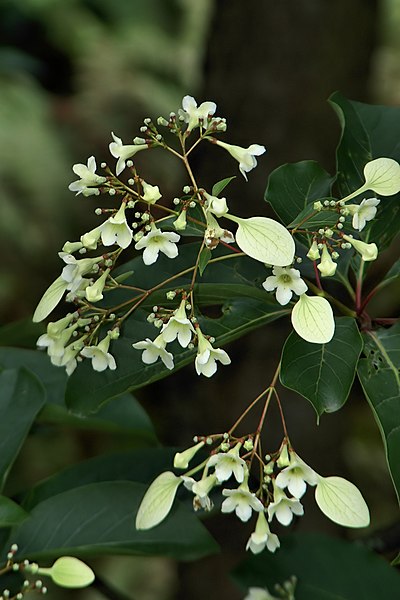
[[66, 572], [382, 176], [276, 496]]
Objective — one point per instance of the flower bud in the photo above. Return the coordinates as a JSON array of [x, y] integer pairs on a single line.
[[368, 251], [182, 459], [327, 267], [313, 253]]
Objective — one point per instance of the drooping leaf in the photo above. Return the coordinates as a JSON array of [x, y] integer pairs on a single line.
[[292, 187], [323, 374], [99, 518], [379, 375], [326, 569], [205, 256], [22, 397], [10, 512]]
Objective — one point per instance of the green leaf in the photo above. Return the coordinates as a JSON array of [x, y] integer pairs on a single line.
[[292, 186], [22, 397], [124, 416], [205, 256], [354, 149], [221, 185], [323, 374], [21, 333], [99, 518], [52, 378], [326, 569], [141, 465], [379, 374], [10, 512]]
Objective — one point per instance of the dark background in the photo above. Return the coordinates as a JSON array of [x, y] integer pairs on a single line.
[[71, 72]]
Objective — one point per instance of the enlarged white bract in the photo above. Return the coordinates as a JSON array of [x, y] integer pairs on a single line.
[[312, 319], [382, 176], [265, 240], [50, 299], [342, 502], [69, 572], [158, 500]]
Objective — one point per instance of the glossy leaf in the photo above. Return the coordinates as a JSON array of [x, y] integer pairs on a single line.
[[368, 132], [141, 465], [326, 569], [379, 374], [323, 374], [52, 378], [10, 512], [22, 397], [292, 187], [205, 256], [99, 519]]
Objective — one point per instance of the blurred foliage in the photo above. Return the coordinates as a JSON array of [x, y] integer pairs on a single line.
[[70, 72]]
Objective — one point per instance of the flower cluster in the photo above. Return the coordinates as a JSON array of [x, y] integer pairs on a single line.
[[276, 498], [133, 224]]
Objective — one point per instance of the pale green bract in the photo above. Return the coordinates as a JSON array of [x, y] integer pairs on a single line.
[[342, 502], [265, 240], [50, 299], [312, 319], [382, 175], [69, 572], [158, 500]]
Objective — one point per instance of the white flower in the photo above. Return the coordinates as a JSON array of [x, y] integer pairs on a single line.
[[201, 489], [207, 356], [178, 326], [368, 251], [151, 193], [262, 537], [101, 358], [256, 593], [363, 212], [244, 156], [153, 350], [55, 343], [68, 358], [242, 501], [227, 464], [118, 150], [296, 475], [192, 113], [327, 267], [182, 459], [286, 281], [214, 233], [216, 205], [156, 241], [89, 180], [283, 507], [74, 270], [116, 230], [94, 292]]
